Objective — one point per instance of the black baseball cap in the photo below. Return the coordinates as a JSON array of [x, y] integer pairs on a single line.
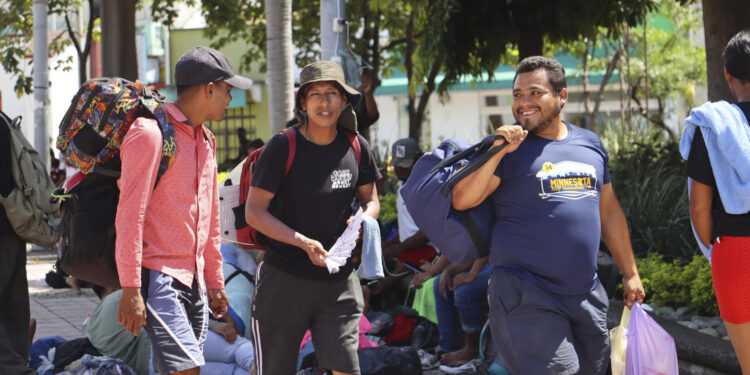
[[204, 65], [404, 152]]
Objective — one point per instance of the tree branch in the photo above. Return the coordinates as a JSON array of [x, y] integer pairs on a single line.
[[429, 86], [605, 79], [72, 34]]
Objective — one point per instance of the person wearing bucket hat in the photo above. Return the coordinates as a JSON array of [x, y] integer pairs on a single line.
[[301, 210], [167, 246], [330, 72]]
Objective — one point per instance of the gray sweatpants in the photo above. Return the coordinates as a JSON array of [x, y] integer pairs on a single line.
[[285, 306]]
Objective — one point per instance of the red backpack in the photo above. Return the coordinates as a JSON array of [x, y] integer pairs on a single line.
[[246, 234]]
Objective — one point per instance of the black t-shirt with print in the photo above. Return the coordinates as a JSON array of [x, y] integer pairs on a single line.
[[699, 169], [315, 197]]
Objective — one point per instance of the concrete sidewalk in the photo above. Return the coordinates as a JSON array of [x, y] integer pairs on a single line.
[[58, 312]]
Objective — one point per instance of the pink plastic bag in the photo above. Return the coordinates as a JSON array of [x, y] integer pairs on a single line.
[[651, 350]]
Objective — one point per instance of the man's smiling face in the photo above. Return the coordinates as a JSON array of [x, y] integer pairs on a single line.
[[536, 106]]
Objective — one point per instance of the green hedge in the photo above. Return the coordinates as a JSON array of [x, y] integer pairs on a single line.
[[387, 208], [672, 284]]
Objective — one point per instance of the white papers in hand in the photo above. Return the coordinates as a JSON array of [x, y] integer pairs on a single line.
[[342, 249]]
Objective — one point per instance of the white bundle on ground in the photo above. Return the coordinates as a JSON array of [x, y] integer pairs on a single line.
[[342, 249]]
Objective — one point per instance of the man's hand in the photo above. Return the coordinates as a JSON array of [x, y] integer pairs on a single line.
[[131, 312], [463, 278], [633, 290], [218, 302], [420, 279], [227, 330], [314, 250], [365, 83], [445, 284], [513, 134]]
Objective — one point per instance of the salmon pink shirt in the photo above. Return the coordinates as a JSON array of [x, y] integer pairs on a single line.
[[173, 229]]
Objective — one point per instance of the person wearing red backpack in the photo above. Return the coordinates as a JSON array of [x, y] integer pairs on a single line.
[[301, 211], [167, 246]]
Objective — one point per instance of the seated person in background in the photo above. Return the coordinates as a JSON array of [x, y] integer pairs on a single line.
[[459, 292], [409, 245], [239, 270], [227, 349]]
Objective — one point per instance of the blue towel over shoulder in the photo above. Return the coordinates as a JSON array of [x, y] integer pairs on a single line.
[[727, 135]]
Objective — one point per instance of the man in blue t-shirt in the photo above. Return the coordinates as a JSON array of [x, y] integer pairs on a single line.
[[553, 200]]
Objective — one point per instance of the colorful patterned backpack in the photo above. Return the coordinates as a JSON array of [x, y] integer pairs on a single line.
[[91, 134], [98, 119]]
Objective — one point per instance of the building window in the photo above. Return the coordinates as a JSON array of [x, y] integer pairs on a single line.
[[496, 121], [490, 101]]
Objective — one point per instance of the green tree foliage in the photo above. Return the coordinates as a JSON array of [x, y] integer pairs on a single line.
[[675, 65], [482, 31], [646, 170], [15, 38]]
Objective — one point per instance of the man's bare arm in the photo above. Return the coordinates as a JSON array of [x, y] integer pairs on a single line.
[[476, 187], [367, 195], [701, 199], [616, 236]]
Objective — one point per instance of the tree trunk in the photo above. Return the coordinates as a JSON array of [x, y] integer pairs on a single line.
[[721, 20], [118, 39], [280, 70], [82, 51], [593, 119]]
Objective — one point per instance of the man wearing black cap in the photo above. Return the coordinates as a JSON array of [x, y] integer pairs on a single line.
[[302, 210], [409, 245], [167, 246]]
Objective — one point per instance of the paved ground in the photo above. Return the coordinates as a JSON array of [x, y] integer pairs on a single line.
[[58, 312]]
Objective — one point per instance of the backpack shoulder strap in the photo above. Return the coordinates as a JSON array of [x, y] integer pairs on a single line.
[[291, 137], [354, 141], [169, 143]]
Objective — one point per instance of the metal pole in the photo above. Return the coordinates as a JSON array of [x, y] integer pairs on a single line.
[[41, 81], [332, 28]]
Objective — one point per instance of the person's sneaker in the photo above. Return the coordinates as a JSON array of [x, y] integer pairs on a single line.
[[474, 366], [427, 360]]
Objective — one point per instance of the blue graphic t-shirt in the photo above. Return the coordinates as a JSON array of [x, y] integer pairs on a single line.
[[547, 225]]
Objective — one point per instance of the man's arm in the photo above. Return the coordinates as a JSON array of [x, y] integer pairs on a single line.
[[476, 187], [213, 272], [430, 270], [395, 248], [446, 277], [469, 276], [367, 195], [370, 114], [616, 236], [256, 213], [701, 199], [140, 154]]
